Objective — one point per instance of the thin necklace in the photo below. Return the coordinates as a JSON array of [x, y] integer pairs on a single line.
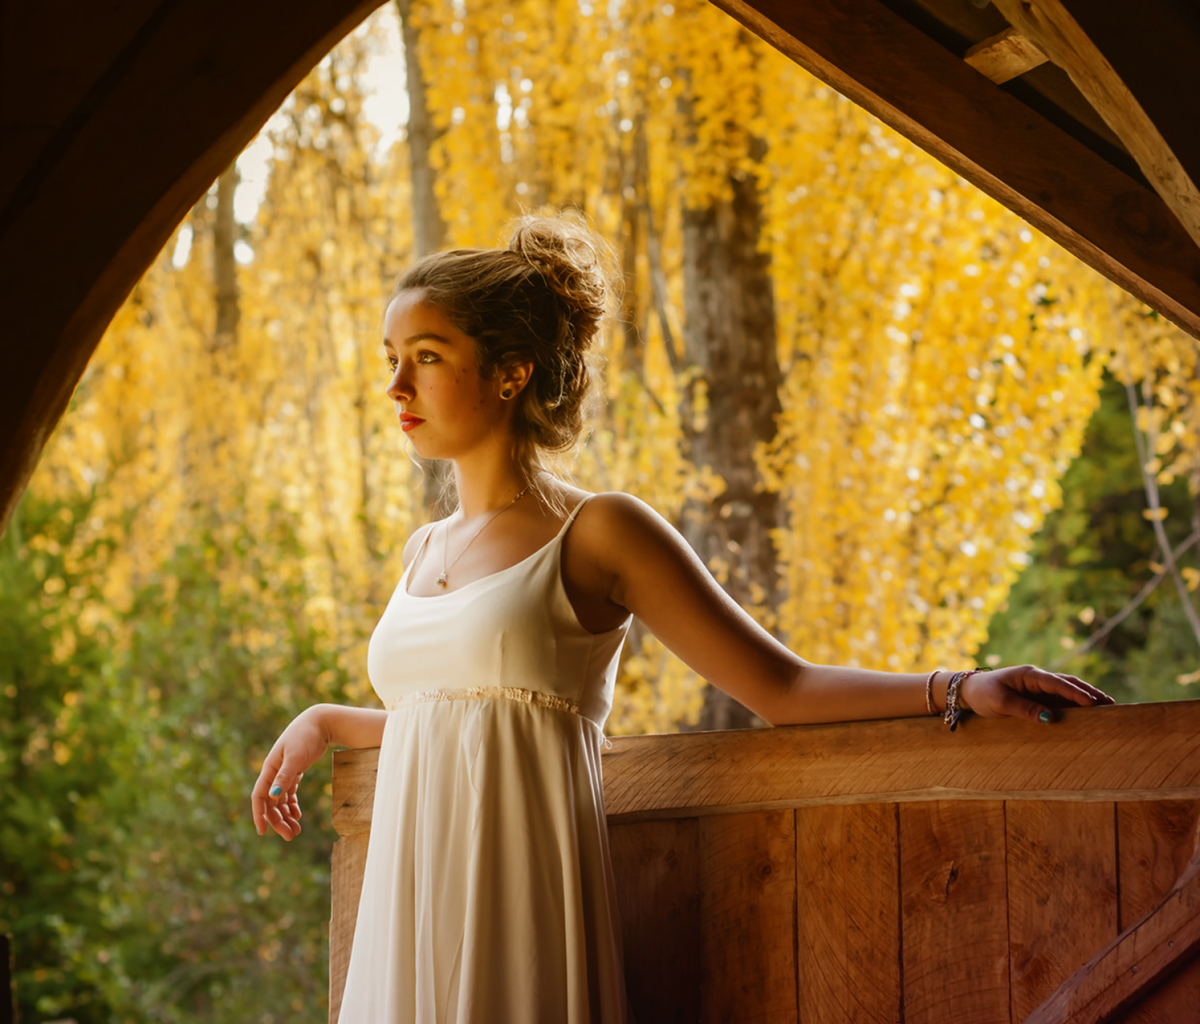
[[444, 578]]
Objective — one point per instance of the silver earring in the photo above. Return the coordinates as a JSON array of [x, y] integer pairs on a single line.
[[506, 394]]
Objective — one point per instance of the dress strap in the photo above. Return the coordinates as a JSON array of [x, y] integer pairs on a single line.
[[420, 549], [574, 512]]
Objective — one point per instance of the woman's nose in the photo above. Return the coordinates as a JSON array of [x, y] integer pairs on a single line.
[[400, 386]]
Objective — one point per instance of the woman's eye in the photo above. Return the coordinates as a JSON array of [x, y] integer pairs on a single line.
[[427, 357]]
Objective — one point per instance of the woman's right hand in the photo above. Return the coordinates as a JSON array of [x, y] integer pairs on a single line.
[[274, 800]]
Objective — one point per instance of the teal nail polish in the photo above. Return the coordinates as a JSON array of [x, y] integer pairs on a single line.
[[275, 791], [1044, 716]]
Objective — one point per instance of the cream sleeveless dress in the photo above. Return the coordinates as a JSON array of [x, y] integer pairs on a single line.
[[488, 894]]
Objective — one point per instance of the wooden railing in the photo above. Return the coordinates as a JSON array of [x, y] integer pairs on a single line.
[[891, 871]]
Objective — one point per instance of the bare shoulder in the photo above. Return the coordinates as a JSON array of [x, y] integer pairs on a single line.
[[615, 526], [615, 513]]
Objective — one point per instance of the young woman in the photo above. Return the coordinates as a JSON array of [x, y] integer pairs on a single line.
[[488, 890]]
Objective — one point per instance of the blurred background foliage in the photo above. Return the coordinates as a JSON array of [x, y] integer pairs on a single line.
[[901, 427]]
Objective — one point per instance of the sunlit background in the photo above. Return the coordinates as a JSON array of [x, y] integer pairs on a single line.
[[982, 452]]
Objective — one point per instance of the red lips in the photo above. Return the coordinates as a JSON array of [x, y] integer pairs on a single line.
[[409, 422]]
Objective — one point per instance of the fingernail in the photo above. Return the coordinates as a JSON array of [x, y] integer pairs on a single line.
[[1044, 716], [275, 791]]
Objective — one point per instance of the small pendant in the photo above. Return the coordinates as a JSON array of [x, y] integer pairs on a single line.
[[441, 580]]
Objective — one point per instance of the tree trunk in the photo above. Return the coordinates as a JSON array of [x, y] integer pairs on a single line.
[[225, 264], [730, 404], [429, 229], [632, 166]]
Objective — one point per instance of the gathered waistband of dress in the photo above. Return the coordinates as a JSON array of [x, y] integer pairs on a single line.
[[534, 697]]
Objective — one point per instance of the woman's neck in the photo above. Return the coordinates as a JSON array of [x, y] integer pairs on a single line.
[[486, 485]]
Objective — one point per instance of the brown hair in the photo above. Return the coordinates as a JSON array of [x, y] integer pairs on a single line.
[[541, 300]]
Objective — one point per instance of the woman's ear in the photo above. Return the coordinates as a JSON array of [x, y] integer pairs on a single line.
[[512, 379]]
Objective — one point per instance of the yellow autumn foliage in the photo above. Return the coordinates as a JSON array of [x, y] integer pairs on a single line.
[[941, 358]]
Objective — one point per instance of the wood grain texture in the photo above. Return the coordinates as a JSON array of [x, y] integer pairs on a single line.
[[1056, 32], [1142, 751], [1136, 963], [1157, 839], [1004, 56], [354, 774], [1174, 1000], [1062, 893], [1132, 752], [928, 94], [747, 918], [656, 865], [954, 913], [848, 914], [346, 879]]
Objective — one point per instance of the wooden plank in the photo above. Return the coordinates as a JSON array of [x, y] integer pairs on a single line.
[[1156, 840], [1173, 1001], [1062, 893], [748, 918], [1004, 56], [354, 774], [848, 914], [928, 94], [1136, 963], [954, 913], [656, 865], [1132, 752], [1138, 752], [346, 880], [1056, 32]]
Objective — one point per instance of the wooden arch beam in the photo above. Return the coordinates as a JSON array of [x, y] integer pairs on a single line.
[[1113, 223], [183, 97]]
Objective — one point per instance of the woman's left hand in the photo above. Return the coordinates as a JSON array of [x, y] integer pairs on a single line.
[[1026, 691]]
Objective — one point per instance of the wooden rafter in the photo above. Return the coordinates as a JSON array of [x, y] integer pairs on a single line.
[[1053, 30], [1004, 56], [1133, 963], [886, 65]]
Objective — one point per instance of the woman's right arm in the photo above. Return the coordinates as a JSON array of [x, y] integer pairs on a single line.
[[349, 727], [274, 800]]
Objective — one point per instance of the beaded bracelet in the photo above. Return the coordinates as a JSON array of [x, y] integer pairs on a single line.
[[953, 712]]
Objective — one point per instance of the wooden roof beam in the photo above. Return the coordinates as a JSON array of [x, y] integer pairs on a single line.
[[1005, 56], [1053, 30], [931, 96]]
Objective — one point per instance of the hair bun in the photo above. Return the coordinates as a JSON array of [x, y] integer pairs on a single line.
[[576, 263]]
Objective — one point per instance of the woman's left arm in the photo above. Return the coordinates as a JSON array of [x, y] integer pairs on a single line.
[[644, 565]]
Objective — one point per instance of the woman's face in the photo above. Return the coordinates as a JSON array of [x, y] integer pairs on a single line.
[[445, 407]]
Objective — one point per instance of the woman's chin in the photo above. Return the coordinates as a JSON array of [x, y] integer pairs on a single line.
[[427, 450]]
